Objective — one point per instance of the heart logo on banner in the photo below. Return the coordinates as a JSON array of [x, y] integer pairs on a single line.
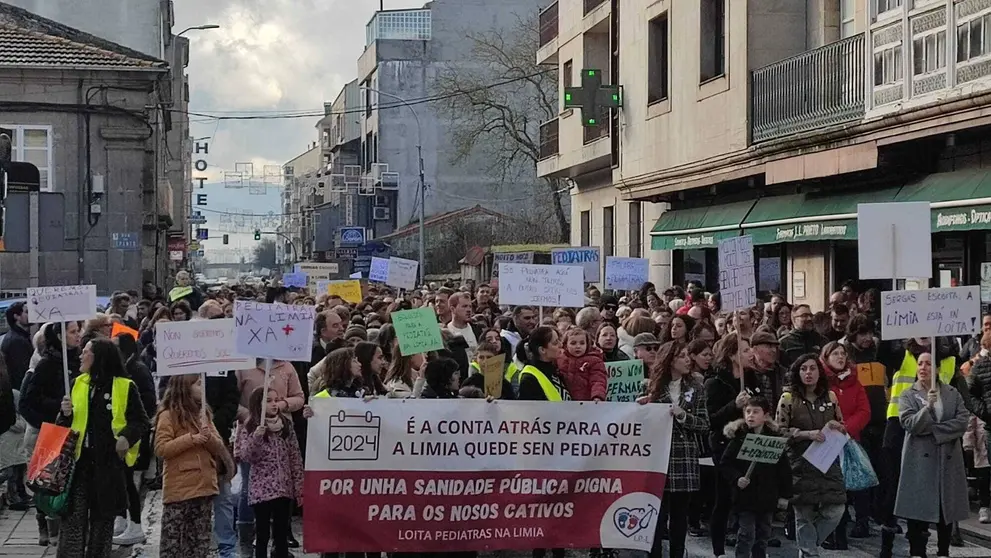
[[629, 522]]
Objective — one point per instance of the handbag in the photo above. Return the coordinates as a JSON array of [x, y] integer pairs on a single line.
[[53, 460], [54, 505], [857, 471]]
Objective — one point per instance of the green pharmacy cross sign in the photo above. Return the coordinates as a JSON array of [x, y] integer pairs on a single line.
[[592, 97]]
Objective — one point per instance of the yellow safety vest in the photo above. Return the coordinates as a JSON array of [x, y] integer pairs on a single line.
[[550, 392], [323, 394], [118, 409], [474, 366], [906, 375], [511, 371], [178, 292]]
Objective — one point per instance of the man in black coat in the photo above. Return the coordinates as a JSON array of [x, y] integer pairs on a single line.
[[16, 345]]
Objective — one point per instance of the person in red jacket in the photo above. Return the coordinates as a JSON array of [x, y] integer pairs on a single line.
[[856, 410], [582, 367]]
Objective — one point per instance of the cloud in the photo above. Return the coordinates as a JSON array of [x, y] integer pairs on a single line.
[[269, 55]]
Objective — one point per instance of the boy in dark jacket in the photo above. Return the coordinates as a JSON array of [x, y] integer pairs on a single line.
[[759, 491]]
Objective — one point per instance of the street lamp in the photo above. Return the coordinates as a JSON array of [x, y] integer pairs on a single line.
[[419, 152], [198, 28]]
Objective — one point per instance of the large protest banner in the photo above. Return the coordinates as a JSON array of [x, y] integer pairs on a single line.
[[415, 476]]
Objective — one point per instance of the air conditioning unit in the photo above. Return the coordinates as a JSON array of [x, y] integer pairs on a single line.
[[381, 214], [320, 185], [382, 201]]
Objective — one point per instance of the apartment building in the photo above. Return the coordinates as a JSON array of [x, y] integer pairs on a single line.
[[301, 192], [774, 119]]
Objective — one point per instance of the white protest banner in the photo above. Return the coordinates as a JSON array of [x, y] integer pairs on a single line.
[[894, 240], [469, 475], [985, 281], [737, 286], [931, 312], [379, 270], [402, 273], [541, 285], [198, 347], [587, 257], [626, 274], [61, 304], [316, 271], [275, 331]]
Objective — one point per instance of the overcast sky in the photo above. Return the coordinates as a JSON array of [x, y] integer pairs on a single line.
[[270, 55]]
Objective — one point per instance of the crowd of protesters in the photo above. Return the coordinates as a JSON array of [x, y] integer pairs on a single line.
[[776, 369]]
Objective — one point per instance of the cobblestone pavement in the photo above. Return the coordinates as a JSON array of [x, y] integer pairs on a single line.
[[19, 539]]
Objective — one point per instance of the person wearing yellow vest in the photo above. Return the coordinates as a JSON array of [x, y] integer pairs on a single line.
[[104, 408], [341, 376], [904, 362], [485, 351], [539, 378], [185, 290]]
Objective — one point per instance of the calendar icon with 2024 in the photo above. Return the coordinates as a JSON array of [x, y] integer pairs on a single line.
[[354, 437]]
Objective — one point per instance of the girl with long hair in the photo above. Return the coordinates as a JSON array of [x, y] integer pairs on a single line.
[[341, 375], [370, 357], [191, 450], [405, 379], [270, 447], [101, 396], [542, 350], [672, 382]]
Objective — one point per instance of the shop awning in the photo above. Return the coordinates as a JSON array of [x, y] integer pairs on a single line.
[[961, 200], [700, 227], [807, 217]]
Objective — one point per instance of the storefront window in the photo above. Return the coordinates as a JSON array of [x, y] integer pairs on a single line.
[[768, 269], [694, 261]]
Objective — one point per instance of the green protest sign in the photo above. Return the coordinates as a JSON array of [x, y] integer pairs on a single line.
[[762, 449], [625, 380], [417, 331]]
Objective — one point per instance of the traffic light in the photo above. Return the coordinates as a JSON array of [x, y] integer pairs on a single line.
[[258, 234], [226, 239]]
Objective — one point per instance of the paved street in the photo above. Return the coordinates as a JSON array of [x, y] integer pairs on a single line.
[[19, 537]]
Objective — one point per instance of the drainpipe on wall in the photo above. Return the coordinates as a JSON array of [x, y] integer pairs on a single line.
[[82, 166]]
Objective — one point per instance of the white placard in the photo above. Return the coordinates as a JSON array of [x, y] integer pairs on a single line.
[[276, 331], [61, 304], [379, 270], [894, 240], [626, 274], [737, 286], [315, 271], [541, 285], [355, 275], [322, 286], [402, 273], [931, 312], [587, 257], [985, 281], [198, 347]]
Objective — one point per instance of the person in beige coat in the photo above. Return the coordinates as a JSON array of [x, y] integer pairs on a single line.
[[193, 453]]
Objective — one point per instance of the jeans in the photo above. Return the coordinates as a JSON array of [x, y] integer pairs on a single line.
[[755, 530], [813, 523], [272, 515], [677, 505], [245, 515], [223, 522]]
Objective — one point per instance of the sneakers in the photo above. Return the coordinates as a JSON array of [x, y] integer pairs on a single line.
[[133, 534], [120, 524], [984, 515]]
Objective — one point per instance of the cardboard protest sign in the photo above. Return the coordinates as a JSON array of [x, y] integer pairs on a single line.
[[625, 380], [493, 372], [737, 284], [379, 270], [586, 257], [61, 304], [349, 290], [931, 312], [298, 280], [274, 331], [402, 273], [417, 331], [762, 449], [541, 285], [626, 274], [198, 347]]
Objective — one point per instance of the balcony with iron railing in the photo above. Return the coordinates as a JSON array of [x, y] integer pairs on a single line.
[[814, 89], [549, 145], [548, 24]]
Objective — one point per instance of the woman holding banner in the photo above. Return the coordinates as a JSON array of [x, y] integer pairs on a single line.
[[671, 381], [933, 483], [105, 409], [539, 379]]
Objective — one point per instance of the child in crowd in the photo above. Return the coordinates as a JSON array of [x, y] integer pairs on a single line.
[[485, 351], [191, 450], [759, 491], [582, 367], [269, 446]]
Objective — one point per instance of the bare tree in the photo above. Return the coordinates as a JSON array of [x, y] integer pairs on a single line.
[[495, 100]]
